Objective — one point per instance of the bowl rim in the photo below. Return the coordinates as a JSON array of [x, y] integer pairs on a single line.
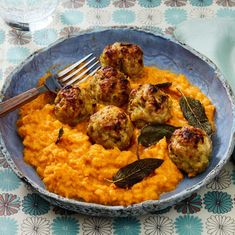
[[155, 203]]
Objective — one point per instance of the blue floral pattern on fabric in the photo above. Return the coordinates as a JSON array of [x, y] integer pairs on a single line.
[[72, 17], [45, 36], [8, 226], [221, 181], [220, 225], [9, 204], [126, 226], [73, 3], [98, 3], [15, 55], [65, 226], [155, 225], [96, 225], [149, 3], [150, 17], [35, 226], [218, 202], [33, 204], [226, 3], [175, 16], [226, 13], [190, 205], [188, 225], [69, 31], [123, 16], [233, 176], [201, 3], [124, 3], [19, 37], [175, 3], [8, 180]]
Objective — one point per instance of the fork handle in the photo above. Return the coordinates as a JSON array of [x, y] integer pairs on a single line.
[[21, 99]]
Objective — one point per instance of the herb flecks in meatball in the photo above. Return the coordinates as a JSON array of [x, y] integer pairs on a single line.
[[73, 105], [149, 104], [110, 127], [190, 149], [125, 57], [109, 86]]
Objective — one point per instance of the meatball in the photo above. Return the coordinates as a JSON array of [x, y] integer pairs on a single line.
[[190, 149], [109, 86], [110, 127], [149, 104], [125, 57], [73, 105]]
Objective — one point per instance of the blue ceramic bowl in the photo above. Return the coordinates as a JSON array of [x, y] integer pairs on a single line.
[[159, 51]]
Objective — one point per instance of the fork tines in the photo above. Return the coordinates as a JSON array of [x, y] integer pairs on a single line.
[[79, 71]]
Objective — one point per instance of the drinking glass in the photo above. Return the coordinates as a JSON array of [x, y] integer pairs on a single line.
[[27, 15]]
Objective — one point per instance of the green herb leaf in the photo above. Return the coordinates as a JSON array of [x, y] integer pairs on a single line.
[[135, 172], [163, 85], [151, 134], [60, 133], [194, 113]]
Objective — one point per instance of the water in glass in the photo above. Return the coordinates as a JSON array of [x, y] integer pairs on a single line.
[[27, 14]]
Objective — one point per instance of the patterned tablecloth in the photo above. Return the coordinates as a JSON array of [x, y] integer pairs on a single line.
[[210, 211]]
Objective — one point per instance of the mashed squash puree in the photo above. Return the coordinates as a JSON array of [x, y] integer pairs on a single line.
[[74, 168]]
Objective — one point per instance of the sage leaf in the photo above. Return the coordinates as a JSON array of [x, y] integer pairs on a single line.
[[135, 172], [152, 133], [60, 133], [163, 85], [194, 113]]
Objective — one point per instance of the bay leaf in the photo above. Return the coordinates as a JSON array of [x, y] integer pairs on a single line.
[[152, 133], [135, 172], [194, 113], [163, 85], [60, 133]]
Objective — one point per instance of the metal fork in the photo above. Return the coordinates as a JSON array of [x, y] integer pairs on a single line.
[[75, 73]]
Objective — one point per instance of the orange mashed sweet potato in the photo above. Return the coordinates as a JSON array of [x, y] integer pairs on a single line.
[[75, 168]]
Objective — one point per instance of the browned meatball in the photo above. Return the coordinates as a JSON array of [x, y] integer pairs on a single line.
[[109, 86], [125, 57], [110, 127], [190, 149], [148, 104], [73, 105]]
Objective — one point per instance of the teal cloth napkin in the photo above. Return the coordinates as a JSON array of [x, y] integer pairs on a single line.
[[215, 38]]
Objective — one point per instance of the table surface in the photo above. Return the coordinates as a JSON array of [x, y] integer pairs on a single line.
[[209, 211]]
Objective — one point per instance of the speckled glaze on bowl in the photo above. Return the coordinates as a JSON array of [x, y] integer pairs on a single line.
[[159, 51]]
